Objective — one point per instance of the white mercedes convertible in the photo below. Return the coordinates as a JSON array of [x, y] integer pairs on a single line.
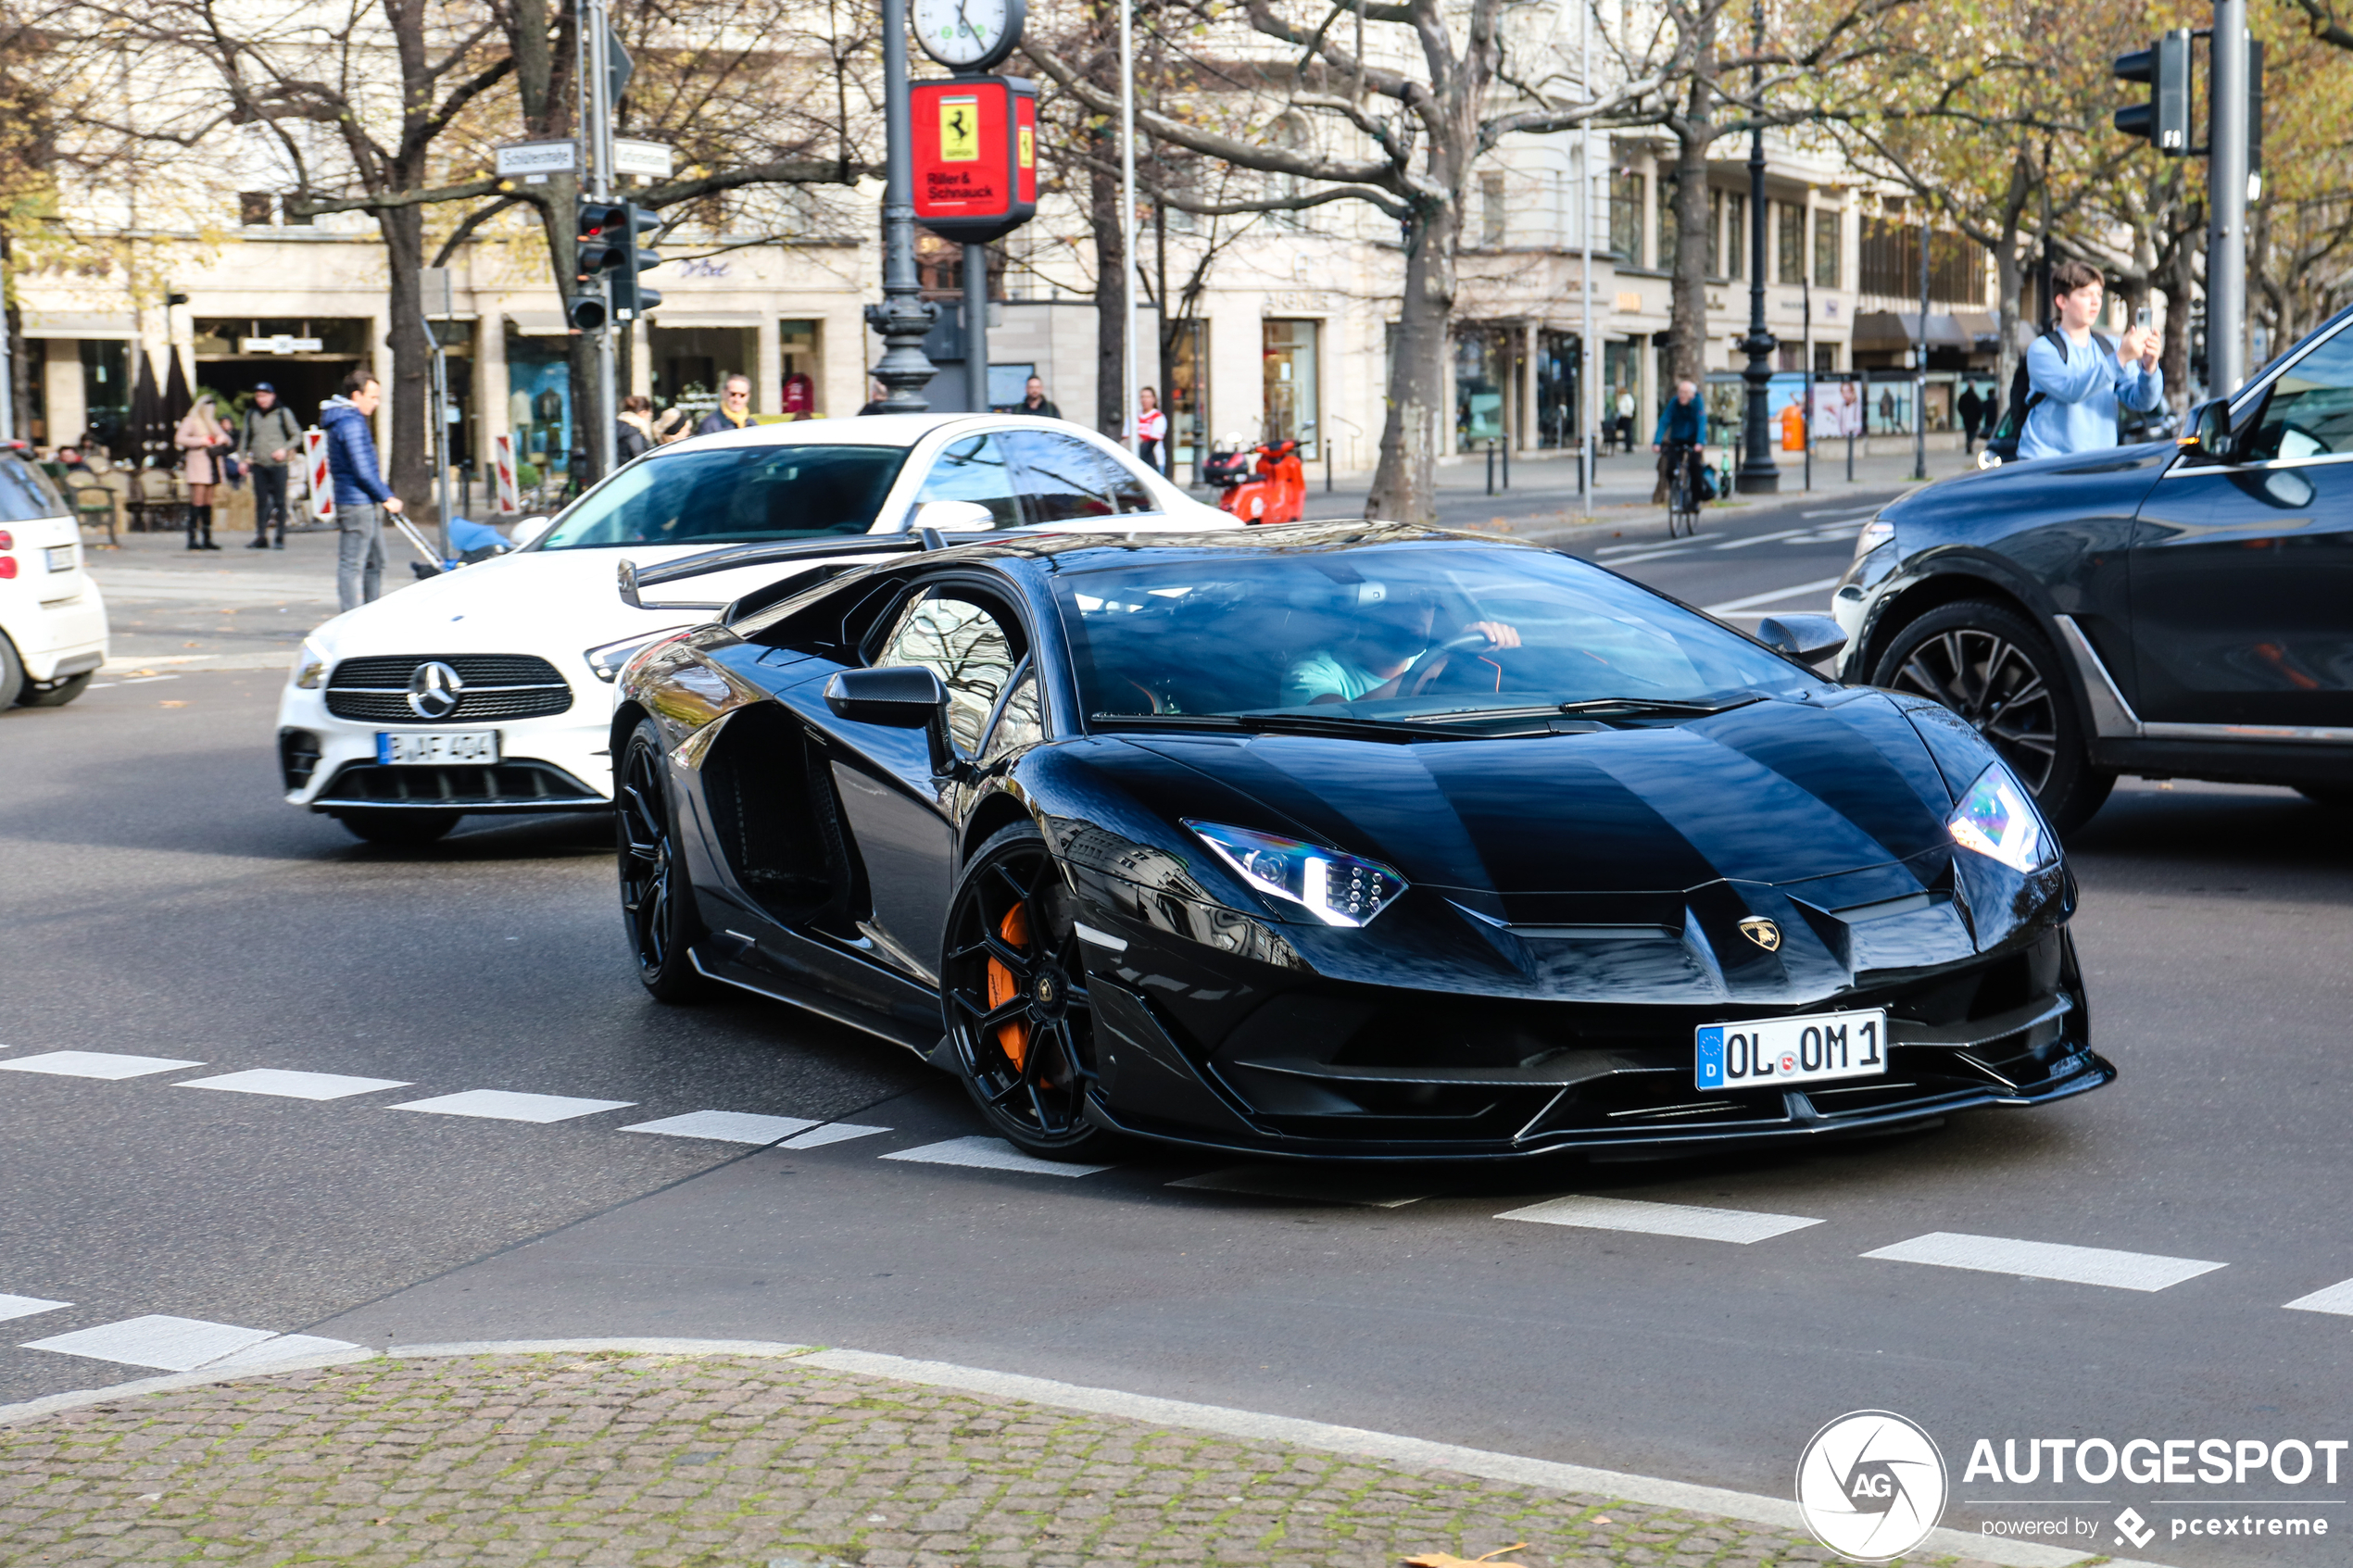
[[489, 688]]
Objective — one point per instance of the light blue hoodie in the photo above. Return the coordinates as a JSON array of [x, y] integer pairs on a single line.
[[2082, 391]]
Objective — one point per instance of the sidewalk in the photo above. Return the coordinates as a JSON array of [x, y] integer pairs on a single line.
[[171, 610], [715, 1461]]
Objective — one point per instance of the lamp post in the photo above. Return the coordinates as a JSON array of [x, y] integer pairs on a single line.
[[1758, 473], [904, 316]]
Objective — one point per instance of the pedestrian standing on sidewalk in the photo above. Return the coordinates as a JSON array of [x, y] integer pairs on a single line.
[[1971, 407], [633, 431], [735, 407], [2077, 380], [202, 439], [1152, 429], [361, 497], [1626, 419], [268, 439], [1034, 401]]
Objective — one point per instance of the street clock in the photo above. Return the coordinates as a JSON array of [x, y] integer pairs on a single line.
[[967, 35]]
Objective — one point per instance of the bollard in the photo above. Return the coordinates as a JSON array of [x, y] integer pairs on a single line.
[[1490, 468], [1850, 457], [1327, 465], [1507, 465]]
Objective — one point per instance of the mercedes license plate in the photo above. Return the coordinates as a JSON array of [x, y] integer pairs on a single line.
[[1806, 1050], [420, 748]]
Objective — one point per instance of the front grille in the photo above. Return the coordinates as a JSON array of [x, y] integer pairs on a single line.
[[508, 786], [495, 685]]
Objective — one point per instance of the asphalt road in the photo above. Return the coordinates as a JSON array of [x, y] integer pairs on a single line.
[[160, 902]]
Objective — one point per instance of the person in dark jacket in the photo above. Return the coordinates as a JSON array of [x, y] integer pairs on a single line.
[[361, 496], [1681, 432], [269, 438], [633, 431], [735, 407], [1035, 401], [1971, 407]]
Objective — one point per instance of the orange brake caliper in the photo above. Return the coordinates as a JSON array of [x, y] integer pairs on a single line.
[[1012, 1039]]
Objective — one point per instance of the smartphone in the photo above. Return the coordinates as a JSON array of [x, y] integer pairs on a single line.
[[2141, 317]]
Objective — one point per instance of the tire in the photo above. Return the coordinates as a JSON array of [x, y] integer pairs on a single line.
[[1992, 666], [654, 904], [399, 828], [59, 693], [1014, 999], [12, 681]]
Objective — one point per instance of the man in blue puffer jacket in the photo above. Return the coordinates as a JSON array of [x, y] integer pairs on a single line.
[[361, 496]]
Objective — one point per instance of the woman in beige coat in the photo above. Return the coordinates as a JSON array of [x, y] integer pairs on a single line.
[[202, 438]]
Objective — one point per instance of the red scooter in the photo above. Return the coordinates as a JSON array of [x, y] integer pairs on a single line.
[[1264, 485]]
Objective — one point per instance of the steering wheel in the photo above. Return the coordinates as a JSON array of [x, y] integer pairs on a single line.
[[1442, 671]]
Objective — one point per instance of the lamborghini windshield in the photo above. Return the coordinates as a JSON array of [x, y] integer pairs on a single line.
[[1434, 632], [733, 495]]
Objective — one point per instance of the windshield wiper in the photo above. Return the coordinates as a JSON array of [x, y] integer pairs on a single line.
[[1338, 726], [1604, 705]]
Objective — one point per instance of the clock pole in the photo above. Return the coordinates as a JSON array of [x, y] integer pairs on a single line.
[[904, 316]]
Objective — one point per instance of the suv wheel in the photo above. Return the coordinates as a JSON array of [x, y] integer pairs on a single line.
[[1995, 669]]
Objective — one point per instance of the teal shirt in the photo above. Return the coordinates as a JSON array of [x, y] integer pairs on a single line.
[[1328, 675]]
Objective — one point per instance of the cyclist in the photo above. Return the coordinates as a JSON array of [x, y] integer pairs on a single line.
[[1680, 436]]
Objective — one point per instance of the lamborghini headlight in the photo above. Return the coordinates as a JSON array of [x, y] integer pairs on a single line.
[[1996, 819], [1337, 889], [311, 666]]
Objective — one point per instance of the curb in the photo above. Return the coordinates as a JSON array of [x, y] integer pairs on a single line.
[[1414, 1452]]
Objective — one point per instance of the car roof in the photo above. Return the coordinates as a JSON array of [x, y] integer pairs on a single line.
[[863, 429]]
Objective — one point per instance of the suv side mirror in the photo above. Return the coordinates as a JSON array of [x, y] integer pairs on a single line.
[[2210, 433], [904, 697], [1809, 639]]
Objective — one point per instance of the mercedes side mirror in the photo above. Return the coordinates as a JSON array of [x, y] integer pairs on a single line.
[[903, 696], [952, 517], [524, 530], [1809, 639]]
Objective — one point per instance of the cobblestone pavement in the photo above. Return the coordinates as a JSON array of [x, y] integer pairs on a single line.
[[718, 1462]]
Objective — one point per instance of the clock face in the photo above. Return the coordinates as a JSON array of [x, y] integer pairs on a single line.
[[966, 33]]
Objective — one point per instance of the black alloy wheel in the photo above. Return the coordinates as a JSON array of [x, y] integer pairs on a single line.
[[654, 892], [57, 694], [1994, 668], [1014, 993], [397, 829]]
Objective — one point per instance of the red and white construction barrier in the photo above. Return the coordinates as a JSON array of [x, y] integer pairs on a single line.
[[502, 459], [315, 473]]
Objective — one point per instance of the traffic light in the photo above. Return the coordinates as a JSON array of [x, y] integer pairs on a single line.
[[587, 311], [602, 226], [630, 298], [2164, 120]]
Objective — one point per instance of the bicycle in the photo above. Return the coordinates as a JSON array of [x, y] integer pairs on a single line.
[[1682, 493]]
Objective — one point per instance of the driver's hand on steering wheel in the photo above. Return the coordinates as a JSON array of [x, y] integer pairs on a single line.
[[1499, 634]]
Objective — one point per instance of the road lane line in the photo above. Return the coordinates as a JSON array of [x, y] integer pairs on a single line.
[[95, 1064], [989, 1154], [2337, 1298], [1740, 1225], [726, 1126], [292, 1085], [1653, 544], [1764, 538], [156, 1340], [1731, 607], [503, 1105], [1309, 1184], [27, 1306], [2046, 1259]]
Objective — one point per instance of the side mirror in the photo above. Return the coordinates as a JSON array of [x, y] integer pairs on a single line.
[[952, 517], [2210, 433], [1809, 639], [903, 696], [525, 530]]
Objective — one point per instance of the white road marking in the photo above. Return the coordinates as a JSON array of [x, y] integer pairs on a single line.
[[1834, 512], [504, 1105], [833, 1132], [990, 1154], [280, 1348], [143, 680], [291, 1084], [1653, 544], [27, 1306], [95, 1064], [1741, 1225], [1731, 607], [1762, 538], [155, 1340], [1310, 1183], [726, 1126], [2046, 1259], [2337, 1298]]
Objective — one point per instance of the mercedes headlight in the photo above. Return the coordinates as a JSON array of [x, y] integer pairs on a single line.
[[607, 660], [1996, 819], [1337, 889], [311, 666]]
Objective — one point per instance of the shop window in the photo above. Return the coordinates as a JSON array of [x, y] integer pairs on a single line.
[[1481, 363], [1288, 353], [799, 347], [1188, 402]]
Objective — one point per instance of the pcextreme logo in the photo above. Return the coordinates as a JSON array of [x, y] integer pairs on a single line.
[[1871, 1485]]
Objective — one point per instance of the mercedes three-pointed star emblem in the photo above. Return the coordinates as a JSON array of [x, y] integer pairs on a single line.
[[435, 690]]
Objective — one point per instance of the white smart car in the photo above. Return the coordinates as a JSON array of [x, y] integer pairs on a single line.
[[52, 620], [489, 689]]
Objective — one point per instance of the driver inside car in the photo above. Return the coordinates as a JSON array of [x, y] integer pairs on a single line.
[[1388, 645]]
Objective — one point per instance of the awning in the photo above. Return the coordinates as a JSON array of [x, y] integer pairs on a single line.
[[539, 323], [1878, 330], [1981, 326]]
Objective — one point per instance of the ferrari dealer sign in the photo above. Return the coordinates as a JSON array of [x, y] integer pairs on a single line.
[[975, 150]]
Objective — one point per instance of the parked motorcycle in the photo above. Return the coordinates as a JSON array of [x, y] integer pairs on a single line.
[[1266, 484]]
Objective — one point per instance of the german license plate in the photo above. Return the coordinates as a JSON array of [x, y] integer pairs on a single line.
[[61, 557], [422, 748], [1806, 1050]]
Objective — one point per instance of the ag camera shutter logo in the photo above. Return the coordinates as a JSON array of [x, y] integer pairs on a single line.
[[1871, 1485]]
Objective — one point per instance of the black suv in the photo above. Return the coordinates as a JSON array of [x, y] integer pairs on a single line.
[[2169, 608]]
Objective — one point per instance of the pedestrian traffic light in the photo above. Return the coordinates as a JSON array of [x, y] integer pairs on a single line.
[[602, 226], [2164, 120], [630, 298], [587, 311]]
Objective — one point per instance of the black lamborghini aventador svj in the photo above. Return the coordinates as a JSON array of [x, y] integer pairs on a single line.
[[1341, 840]]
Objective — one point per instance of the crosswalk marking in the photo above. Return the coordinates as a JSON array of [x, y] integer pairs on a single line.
[[289, 1085], [832, 1132], [2337, 1298], [2046, 1259], [1741, 1225], [155, 1340], [27, 1306], [726, 1126], [1314, 1184], [94, 1064], [989, 1154], [505, 1105]]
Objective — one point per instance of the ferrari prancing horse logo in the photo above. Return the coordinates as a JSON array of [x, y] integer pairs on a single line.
[[1762, 932]]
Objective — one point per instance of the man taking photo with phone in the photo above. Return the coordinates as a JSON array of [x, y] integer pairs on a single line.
[[2077, 380]]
